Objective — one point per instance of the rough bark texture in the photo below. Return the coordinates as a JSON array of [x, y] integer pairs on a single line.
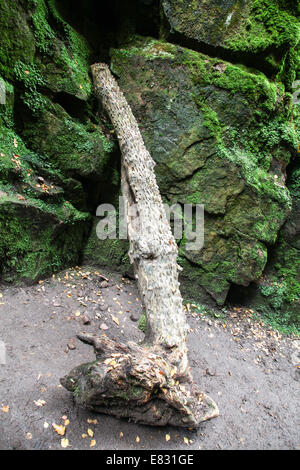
[[129, 381], [153, 250], [143, 383]]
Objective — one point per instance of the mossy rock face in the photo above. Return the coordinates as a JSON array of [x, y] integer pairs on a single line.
[[35, 242], [221, 136], [74, 148], [112, 253], [49, 152], [41, 231], [16, 39], [269, 28], [276, 296]]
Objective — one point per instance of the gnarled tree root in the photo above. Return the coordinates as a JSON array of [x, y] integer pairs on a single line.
[[128, 381]]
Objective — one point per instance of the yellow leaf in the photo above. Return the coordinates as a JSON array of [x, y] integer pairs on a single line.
[[92, 421], [186, 441], [90, 432], [59, 429], [116, 320], [5, 409], [93, 443], [137, 439], [84, 436], [39, 402], [168, 437], [64, 443]]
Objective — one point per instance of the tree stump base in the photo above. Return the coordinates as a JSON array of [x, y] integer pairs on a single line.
[[134, 382]]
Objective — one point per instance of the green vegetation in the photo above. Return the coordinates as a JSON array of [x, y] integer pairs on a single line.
[[142, 324], [222, 134], [271, 23]]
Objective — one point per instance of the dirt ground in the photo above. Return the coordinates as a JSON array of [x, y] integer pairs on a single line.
[[249, 370]]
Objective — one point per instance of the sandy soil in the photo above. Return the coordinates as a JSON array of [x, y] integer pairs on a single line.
[[249, 370]]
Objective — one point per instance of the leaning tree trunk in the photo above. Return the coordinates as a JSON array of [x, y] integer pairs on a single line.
[[150, 384]]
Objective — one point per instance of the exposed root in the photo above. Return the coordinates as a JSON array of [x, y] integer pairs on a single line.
[[128, 381]]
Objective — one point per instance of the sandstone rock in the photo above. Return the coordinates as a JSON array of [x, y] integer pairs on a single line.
[[209, 130]]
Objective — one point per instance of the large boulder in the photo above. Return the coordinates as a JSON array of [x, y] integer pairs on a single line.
[[264, 32], [76, 149], [41, 230], [276, 295], [221, 136]]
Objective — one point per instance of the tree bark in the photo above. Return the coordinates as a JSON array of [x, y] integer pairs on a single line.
[[153, 250], [153, 253]]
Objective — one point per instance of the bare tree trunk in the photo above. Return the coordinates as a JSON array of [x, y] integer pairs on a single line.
[[153, 250], [159, 368]]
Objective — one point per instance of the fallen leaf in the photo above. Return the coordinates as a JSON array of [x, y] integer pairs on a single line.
[[116, 320], [60, 429], [92, 421], [64, 443], [168, 437], [39, 402], [220, 67], [84, 436], [5, 409], [92, 443], [137, 439], [29, 436], [90, 432]]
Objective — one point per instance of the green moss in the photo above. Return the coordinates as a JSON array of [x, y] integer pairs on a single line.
[[44, 35], [72, 147], [75, 54], [204, 70], [16, 39], [142, 324], [269, 24], [38, 236], [29, 75], [109, 252], [68, 69], [32, 245]]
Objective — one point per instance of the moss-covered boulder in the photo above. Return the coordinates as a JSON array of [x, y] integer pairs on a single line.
[[76, 149], [264, 31], [276, 295], [221, 136], [37, 239], [41, 231], [111, 253], [16, 38]]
